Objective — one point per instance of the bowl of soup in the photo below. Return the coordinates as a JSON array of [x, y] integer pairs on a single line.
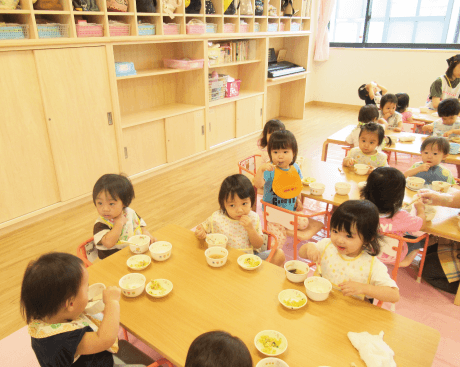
[[216, 239], [317, 288], [272, 362], [216, 256], [160, 250], [296, 270], [317, 188], [132, 285], [361, 169], [440, 186], [342, 188]]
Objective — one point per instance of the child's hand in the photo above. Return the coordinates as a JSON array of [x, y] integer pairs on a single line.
[[387, 115], [246, 222], [348, 162], [397, 129], [419, 207], [311, 252], [121, 219], [371, 168], [111, 294], [147, 233], [267, 167], [200, 233], [298, 205], [427, 128], [447, 133], [424, 167], [350, 288]]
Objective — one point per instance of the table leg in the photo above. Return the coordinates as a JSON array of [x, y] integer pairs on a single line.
[[324, 155]]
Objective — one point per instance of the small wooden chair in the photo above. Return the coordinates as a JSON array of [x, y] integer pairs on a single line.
[[347, 149], [249, 165], [268, 238]]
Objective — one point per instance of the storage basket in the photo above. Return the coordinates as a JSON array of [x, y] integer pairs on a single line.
[[90, 30], [125, 69], [282, 25], [244, 27], [119, 29], [217, 87], [184, 64], [53, 30], [272, 27], [233, 88], [195, 28], [14, 31], [146, 29], [229, 28], [256, 27], [171, 28], [295, 27], [211, 28], [454, 148]]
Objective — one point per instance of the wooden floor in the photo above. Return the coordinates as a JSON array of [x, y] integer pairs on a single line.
[[184, 196]]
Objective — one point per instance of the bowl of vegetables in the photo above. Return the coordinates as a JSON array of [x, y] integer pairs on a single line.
[[138, 262], [292, 299], [249, 261], [270, 342]]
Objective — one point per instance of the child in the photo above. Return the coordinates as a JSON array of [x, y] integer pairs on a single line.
[[275, 178], [388, 116], [236, 220], [367, 113], [370, 138], [218, 349], [386, 187], [54, 295], [348, 259], [447, 125], [370, 93], [434, 149], [403, 104], [269, 128], [112, 195]]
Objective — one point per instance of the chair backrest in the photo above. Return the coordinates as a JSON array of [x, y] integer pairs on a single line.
[[87, 252], [249, 165], [280, 216]]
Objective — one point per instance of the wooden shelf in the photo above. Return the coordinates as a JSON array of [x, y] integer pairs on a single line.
[[88, 12], [233, 64], [243, 94], [120, 13], [148, 14], [52, 12], [287, 78], [15, 11], [157, 113], [153, 72]]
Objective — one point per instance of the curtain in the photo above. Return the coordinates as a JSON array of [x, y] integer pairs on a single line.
[[322, 40]]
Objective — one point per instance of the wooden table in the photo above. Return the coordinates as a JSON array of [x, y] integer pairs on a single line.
[[424, 117], [246, 302]]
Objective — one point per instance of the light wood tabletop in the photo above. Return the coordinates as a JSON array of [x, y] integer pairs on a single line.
[[424, 117], [246, 302]]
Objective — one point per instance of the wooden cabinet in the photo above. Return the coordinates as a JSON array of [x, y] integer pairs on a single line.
[[221, 123], [249, 112]]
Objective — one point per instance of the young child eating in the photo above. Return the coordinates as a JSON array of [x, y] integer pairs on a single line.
[[269, 128], [367, 113], [447, 125], [388, 116], [371, 93]]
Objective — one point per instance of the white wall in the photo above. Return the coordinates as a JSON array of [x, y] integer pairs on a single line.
[[410, 71]]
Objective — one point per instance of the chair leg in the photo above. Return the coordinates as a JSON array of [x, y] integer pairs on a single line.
[[125, 333]]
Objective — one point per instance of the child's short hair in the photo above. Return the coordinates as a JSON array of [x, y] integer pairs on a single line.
[[441, 142], [236, 184], [452, 62], [283, 139], [118, 187], [269, 128], [385, 187], [448, 107], [48, 283], [218, 349], [375, 128], [403, 102], [362, 92], [368, 113], [363, 215], [388, 98]]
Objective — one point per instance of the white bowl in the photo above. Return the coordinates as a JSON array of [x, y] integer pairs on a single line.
[[141, 243], [342, 188], [272, 362], [299, 160], [164, 287], [430, 212], [292, 295], [308, 180], [317, 188], [132, 285], [216, 239], [271, 336], [160, 250], [406, 138], [362, 184], [216, 256], [361, 169], [317, 288], [249, 261], [415, 183], [139, 262], [296, 265], [95, 291], [440, 186]]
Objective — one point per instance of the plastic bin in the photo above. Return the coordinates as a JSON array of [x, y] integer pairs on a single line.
[[256, 27], [211, 28], [119, 29], [195, 28], [282, 27], [53, 30], [146, 29], [295, 27], [14, 31], [90, 30], [184, 64], [217, 87], [124, 69], [229, 28], [233, 88], [171, 28], [244, 27], [272, 27]]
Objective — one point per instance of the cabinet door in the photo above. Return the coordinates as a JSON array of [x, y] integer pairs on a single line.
[[184, 135], [144, 146], [27, 179], [249, 115], [221, 125], [77, 99]]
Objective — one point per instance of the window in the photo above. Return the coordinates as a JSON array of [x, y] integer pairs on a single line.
[[396, 23]]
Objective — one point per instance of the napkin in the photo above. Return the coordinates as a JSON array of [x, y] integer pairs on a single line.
[[372, 349]]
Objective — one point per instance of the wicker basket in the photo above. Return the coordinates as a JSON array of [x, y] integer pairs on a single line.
[[211, 28], [217, 87], [53, 30], [146, 29], [119, 29], [171, 28], [195, 28], [184, 64], [90, 30], [229, 28], [272, 27], [14, 31]]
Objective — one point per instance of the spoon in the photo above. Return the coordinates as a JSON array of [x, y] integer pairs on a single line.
[[318, 267]]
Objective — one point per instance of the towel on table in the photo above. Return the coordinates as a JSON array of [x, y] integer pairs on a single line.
[[372, 349]]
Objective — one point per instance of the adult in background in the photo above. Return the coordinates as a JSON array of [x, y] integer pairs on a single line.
[[447, 85]]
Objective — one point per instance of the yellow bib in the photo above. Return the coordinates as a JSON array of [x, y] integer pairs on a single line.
[[287, 184]]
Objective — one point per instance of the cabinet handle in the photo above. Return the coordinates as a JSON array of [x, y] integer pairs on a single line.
[[126, 152], [109, 118], [202, 129], [261, 112]]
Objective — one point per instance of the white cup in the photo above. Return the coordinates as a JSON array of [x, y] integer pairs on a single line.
[[317, 188], [342, 188], [415, 183]]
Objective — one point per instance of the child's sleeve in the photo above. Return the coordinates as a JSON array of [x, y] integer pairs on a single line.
[[141, 221], [449, 178], [321, 245], [298, 170], [380, 276], [407, 222], [99, 231], [257, 224], [207, 225], [349, 138]]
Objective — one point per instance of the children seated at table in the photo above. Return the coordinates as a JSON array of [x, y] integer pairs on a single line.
[[371, 93], [434, 149], [269, 128], [281, 181], [388, 116], [236, 220], [54, 295], [403, 104], [386, 187], [112, 195], [370, 138], [348, 259], [218, 349], [448, 125], [367, 113]]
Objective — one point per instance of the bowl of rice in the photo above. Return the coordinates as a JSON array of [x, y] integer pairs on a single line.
[[317, 288]]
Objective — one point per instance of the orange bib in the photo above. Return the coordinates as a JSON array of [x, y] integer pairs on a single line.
[[287, 184]]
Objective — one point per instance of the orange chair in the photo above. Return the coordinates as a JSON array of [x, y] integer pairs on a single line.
[[249, 165], [347, 149], [415, 124], [268, 237], [161, 362], [289, 219]]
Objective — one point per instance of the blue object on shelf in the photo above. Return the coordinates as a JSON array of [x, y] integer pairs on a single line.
[[146, 29], [454, 148], [124, 69]]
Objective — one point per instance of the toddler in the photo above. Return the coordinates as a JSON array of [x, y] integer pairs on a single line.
[[236, 220], [218, 349], [447, 125], [386, 187], [367, 113], [371, 93], [54, 295], [434, 149], [403, 104], [388, 116], [112, 195], [269, 128], [370, 138], [348, 259]]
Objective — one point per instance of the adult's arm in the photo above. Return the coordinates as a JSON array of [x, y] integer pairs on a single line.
[[436, 92], [435, 198]]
